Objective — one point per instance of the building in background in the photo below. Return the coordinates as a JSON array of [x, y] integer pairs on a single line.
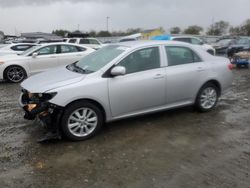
[[148, 34], [40, 35]]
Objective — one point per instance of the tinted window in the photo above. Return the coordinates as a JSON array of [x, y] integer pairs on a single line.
[[181, 55], [126, 40], [243, 42], [21, 47], [68, 49], [72, 40], [47, 50], [81, 49], [195, 41], [187, 40], [84, 41], [93, 41], [142, 60]]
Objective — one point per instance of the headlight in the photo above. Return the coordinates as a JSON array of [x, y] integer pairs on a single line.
[[41, 97], [47, 96], [30, 107], [1, 62]]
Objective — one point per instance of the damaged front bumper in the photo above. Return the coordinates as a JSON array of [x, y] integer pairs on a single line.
[[38, 106]]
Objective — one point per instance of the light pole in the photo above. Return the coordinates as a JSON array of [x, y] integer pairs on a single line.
[[108, 23]]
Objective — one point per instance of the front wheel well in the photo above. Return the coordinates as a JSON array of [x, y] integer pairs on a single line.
[[93, 102]]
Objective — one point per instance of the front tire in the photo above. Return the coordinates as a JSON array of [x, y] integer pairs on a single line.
[[15, 74], [207, 98], [81, 120]]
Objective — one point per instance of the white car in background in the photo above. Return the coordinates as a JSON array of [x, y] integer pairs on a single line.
[[15, 48], [15, 68], [90, 42], [195, 41]]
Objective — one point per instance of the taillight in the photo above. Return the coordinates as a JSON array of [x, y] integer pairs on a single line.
[[230, 66]]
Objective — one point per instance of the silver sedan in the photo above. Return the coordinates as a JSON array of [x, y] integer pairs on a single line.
[[124, 80]]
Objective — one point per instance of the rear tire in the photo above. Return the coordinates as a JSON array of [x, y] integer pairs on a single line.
[[207, 98], [81, 120], [15, 74]]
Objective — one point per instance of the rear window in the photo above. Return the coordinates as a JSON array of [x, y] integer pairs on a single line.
[[187, 40], [84, 41], [72, 40], [21, 47], [181, 55]]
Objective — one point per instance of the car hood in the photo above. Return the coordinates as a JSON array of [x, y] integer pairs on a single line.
[[11, 57], [239, 46], [52, 79], [207, 46]]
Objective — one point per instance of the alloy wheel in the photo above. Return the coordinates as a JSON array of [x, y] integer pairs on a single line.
[[208, 98], [15, 74], [82, 122]]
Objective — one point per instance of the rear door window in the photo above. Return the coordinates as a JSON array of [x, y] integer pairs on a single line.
[[181, 55], [68, 49], [48, 50]]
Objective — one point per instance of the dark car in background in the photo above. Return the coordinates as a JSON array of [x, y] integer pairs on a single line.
[[222, 46], [242, 44]]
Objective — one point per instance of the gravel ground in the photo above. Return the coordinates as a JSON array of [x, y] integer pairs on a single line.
[[177, 148]]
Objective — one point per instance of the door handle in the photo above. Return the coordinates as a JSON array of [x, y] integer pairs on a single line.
[[53, 57], [158, 76]]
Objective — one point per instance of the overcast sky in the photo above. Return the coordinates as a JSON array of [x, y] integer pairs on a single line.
[[18, 16]]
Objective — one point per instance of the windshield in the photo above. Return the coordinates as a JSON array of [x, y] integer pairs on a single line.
[[30, 50], [98, 59], [224, 42], [243, 42]]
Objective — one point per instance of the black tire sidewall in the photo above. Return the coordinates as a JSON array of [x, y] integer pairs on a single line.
[[13, 66], [70, 109], [197, 103]]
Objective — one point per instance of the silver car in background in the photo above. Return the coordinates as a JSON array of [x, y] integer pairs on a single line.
[[124, 80]]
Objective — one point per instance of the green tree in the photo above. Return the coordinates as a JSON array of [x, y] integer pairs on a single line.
[[246, 28], [175, 30], [103, 34], [218, 28], [92, 33], [60, 32], [193, 30], [236, 30]]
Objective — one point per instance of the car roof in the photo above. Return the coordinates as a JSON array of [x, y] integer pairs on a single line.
[[144, 43], [63, 43], [177, 37], [58, 43], [15, 44]]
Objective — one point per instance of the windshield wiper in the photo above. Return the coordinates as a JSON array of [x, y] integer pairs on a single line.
[[75, 68], [78, 69]]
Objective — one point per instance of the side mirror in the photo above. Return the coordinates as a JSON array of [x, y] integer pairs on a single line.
[[118, 71], [34, 55]]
